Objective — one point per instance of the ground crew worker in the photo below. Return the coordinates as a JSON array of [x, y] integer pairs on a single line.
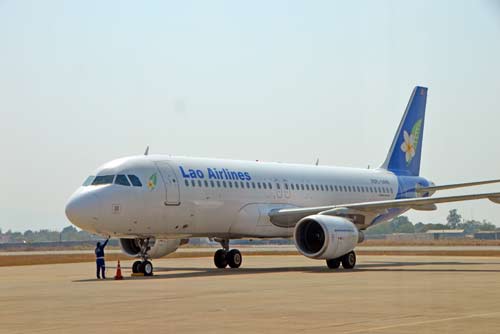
[[99, 259]]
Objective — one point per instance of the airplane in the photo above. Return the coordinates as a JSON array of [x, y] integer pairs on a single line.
[[154, 203]]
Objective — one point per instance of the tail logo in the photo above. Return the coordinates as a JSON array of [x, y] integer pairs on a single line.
[[152, 182], [410, 143]]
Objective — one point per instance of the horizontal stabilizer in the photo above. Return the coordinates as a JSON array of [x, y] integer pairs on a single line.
[[453, 186]]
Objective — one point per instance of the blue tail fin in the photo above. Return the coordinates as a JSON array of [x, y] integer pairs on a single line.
[[406, 149]]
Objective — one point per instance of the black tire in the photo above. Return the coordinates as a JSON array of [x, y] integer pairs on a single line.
[[140, 267], [234, 258], [220, 259], [147, 268], [333, 263], [135, 267], [349, 260]]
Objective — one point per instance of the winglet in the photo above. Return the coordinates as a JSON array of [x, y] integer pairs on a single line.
[[147, 150]]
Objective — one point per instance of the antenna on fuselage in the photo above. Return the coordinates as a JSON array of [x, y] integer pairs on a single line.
[[147, 150], [317, 162]]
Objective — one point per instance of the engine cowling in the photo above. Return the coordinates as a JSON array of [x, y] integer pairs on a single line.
[[158, 247], [325, 237]]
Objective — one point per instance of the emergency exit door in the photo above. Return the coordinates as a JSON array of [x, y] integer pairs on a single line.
[[172, 195]]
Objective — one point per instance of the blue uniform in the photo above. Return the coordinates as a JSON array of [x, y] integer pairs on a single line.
[[99, 259]]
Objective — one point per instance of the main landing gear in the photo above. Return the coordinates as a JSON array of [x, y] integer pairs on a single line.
[[224, 257], [348, 261], [145, 266]]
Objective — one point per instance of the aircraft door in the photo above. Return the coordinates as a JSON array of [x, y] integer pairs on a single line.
[[279, 191], [286, 189], [172, 193]]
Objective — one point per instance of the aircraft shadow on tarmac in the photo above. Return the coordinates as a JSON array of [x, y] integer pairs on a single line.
[[381, 266]]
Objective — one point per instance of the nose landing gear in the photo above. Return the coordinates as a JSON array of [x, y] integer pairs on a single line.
[[224, 257], [145, 266]]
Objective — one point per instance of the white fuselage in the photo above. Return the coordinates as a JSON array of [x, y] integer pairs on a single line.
[[196, 197]]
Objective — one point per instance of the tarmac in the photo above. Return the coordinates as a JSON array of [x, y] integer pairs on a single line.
[[268, 294]]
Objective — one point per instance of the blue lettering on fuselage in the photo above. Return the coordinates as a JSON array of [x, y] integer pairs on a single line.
[[215, 174]]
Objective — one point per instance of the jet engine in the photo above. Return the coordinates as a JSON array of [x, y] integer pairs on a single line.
[[158, 247], [325, 237]]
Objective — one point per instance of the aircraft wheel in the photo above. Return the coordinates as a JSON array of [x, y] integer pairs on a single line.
[[136, 267], [234, 258], [147, 268], [220, 260], [349, 260], [333, 263]]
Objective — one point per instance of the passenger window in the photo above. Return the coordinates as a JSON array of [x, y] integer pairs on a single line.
[[218, 184], [88, 181], [243, 184], [199, 183], [230, 184], [103, 179], [224, 184], [345, 188], [307, 186], [135, 180], [292, 186], [206, 183], [302, 187], [248, 185], [212, 183], [297, 186], [264, 185], [253, 185], [122, 180], [236, 184], [270, 185], [278, 186], [186, 182], [321, 188], [258, 185], [193, 183], [349, 188], [286, 186]]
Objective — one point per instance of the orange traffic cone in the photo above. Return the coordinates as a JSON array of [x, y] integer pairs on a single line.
[[118, 271]]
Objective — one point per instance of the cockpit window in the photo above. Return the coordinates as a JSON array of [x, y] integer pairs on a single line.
[[135, 180], [103, 179], [122, 180], [88, 181]]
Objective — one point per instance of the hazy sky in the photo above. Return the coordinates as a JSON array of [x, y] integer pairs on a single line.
[[85, 82]]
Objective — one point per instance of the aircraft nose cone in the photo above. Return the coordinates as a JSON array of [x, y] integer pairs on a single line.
[[83, 210]]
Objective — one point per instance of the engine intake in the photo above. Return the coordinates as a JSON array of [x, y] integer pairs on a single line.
[[325, 237]]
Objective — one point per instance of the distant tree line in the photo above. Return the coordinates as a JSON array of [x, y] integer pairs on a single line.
[[69, 233], [454, 220]]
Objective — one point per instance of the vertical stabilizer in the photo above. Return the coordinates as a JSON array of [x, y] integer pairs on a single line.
[[404, 155]]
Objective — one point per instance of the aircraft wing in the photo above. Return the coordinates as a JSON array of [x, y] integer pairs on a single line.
[[289, 217], [454, 186]]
